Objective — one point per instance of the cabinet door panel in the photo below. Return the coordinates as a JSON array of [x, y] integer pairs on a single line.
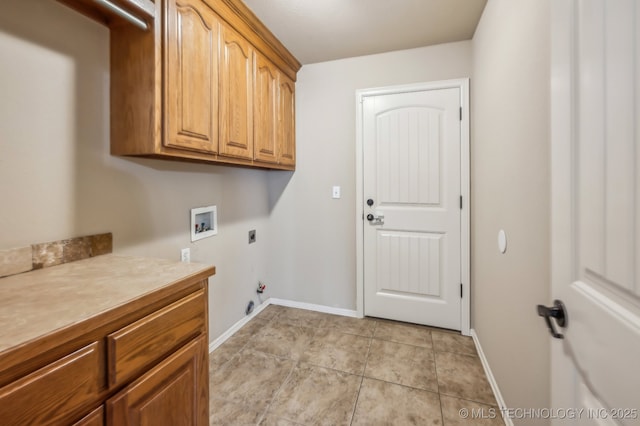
[[191, 77], [265, 111], [286, 121], [175, 392], [95, 418], [236, 99]]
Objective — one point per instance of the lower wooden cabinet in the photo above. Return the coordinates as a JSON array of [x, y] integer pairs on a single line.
[[172, 393], [146, 363]]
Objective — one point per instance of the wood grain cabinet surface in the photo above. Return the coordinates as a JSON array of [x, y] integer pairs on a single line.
[[144, 361], [207, 82]]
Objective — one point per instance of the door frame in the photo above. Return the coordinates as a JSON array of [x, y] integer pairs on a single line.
[[465, 222]]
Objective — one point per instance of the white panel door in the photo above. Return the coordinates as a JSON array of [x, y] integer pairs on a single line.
[[411, 190], [596, 206]]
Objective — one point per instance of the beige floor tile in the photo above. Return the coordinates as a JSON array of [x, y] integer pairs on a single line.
[[234, 344], [359, 326], [382, 403], [252, 327], [460, 412], [226, 351], [274, 421], [402, 364], [269, 313], [302, 318], [463, 376], [316, 395], [250, 379], [344, 352], [403, 333], [282, 339], [226, 413], [451, 342]]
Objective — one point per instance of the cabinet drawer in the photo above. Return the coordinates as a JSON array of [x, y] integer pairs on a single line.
[[136, 347], [57, 392]]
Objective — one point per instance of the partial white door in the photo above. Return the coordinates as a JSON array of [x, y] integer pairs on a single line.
[[596, 206], [411, 200]]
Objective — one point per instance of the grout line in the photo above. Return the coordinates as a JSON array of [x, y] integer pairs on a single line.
[[366, 361], [279, 391], [404, 386]]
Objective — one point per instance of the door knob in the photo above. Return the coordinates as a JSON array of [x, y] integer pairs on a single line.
[[370, 202], [376, 219], [558, 312]]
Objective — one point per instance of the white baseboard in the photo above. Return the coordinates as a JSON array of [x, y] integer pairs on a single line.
[[491, 378], [314, 307], [237, 326], [282, 302]]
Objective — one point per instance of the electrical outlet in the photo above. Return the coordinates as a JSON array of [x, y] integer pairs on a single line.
[[185, 255], [252, 236]]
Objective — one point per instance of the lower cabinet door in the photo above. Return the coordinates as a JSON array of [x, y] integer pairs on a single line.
[[175, 392], [95, 418]]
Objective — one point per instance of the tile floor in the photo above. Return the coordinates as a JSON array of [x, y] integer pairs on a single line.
[[296, 367]]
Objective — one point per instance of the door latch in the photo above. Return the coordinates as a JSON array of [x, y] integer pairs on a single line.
[[558, 312], [375, 219]]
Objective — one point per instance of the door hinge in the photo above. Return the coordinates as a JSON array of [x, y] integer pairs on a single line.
[[460, 290], [461, 202], [460, 113]]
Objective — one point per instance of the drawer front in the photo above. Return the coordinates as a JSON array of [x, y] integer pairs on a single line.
[[57, 392], [136, 347]]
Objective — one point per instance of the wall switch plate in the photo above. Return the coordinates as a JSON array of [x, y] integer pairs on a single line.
[[336, 192], [252, 236], [185, 255]]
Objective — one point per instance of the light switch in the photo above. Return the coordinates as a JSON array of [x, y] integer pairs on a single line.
[[336, 192]]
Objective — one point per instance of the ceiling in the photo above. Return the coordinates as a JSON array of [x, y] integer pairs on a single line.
[[324, 30]]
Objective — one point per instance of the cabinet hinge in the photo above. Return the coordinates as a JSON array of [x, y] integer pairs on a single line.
[[460, 290], [460, 113], [461, 202]]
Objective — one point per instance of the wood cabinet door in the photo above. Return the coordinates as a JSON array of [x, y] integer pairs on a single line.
[[265, 111], [236, 97], [286, 120], [191, 79], [94, 418], [175, 392]]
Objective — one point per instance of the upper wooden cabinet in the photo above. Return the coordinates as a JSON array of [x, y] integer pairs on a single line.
[[206, 82], [286, 121], [236, 95], [265, 111], [191, 76]]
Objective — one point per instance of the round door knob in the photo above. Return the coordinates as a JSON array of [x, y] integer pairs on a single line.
[[370, 217], [370, 202]]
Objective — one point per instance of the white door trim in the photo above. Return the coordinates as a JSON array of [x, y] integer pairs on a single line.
[[465, 235]]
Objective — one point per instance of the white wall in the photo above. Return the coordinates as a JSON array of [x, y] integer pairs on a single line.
[[313, 254], [57, 179], [510, 190]]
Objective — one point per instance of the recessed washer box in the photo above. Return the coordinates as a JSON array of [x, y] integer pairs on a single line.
[[204, 222]]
